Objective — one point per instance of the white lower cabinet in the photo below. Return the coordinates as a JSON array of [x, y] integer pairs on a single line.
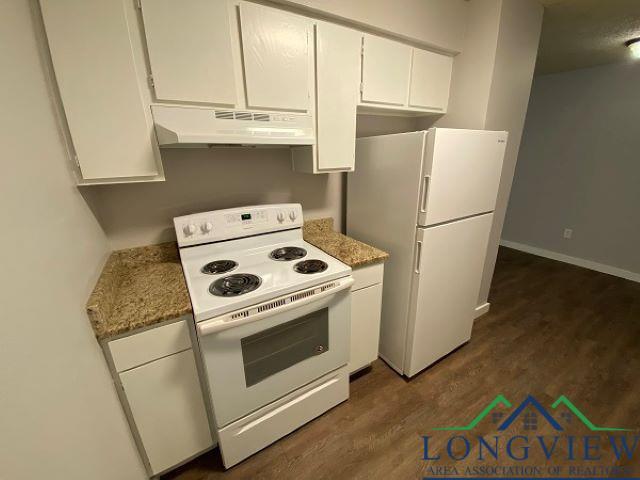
[[162, 395], [168, 409], [366, 306]]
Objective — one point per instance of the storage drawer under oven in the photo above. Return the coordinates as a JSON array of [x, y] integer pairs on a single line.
[[246, 436]]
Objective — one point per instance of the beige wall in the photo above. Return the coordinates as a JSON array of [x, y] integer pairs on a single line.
[[59, 414], [473, 68], [199, 180], [518, 39], [490, 88], [208, 179], [579, 167], [436, 23]]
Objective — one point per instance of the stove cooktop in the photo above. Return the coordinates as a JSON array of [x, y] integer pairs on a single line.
[[288, 253], [230, 275]]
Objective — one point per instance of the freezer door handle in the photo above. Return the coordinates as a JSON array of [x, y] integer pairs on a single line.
[[418, 256], [425, 190]]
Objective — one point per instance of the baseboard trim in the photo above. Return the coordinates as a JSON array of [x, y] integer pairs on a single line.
[[482, 309], [580, 262]]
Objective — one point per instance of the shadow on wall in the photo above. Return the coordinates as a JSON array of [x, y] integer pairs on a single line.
[[203, 179], [207, 179]]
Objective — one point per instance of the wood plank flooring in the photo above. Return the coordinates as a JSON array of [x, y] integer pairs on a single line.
[[553, 329]]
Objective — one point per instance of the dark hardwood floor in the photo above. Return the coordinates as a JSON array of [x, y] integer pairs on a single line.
[[553, 329]]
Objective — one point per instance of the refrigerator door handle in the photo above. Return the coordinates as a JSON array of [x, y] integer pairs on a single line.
[[418, 257], [425, 190]]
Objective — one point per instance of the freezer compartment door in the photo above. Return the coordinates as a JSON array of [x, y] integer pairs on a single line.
[[448, 268], [461, 174]]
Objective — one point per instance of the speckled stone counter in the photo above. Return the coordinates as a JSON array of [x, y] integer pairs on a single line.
[[138, 287], [143, 286], [352, 252]]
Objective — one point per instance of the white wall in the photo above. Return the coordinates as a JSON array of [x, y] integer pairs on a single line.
[[59, 414], [579, 167], [436, 23]]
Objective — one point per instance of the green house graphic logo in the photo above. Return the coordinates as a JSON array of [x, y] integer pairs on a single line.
[[530, 419]]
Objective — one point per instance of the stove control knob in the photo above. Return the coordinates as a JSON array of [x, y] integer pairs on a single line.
[[206, 227], [292, 215], [189, 229], [280, 217]]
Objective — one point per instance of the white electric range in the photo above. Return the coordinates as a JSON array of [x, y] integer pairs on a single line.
[[273, 320]]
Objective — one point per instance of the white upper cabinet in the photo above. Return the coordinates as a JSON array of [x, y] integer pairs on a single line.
[[337, 77], [278, 65], [109, 121], [430, 80], [337, 60], [189, 45], [385, 71]]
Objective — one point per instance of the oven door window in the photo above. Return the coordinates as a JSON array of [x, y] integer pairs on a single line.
[[278, 348]]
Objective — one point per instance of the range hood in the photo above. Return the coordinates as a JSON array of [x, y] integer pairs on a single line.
[[183, 125]]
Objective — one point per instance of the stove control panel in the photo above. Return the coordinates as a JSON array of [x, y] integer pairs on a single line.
[[219, 225]]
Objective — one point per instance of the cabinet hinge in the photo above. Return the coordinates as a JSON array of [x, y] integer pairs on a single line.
[[361, 87], [139, 4], [150, 79]]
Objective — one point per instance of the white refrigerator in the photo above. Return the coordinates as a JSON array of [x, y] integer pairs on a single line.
[[427, 198]]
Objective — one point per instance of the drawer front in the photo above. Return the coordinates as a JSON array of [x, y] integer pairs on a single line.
[[367, 275], [248, 435], [143, 347]]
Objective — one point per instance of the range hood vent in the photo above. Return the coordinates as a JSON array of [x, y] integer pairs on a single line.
[[181, 125]]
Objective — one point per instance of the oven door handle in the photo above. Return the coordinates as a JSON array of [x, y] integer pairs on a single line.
[[218, 324]]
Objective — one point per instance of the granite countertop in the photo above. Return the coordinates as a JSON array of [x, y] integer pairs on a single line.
[[321, 234], [138, 287], [142, 286]]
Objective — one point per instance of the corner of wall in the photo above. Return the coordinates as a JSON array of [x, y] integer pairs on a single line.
[[516, 52]]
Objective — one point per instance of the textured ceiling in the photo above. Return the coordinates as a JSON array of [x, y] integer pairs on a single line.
[[585, 33]]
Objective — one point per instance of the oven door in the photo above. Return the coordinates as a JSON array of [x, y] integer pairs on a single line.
[[259, 354]]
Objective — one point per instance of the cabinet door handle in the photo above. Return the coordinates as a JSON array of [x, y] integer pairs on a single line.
[[418, 256], [425, 191]]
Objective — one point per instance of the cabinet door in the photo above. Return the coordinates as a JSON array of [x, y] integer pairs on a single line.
[[276, 58], [430, 80], [167, 406], [366, 305], [110, 125], [337, 80], [190, 50], [385, 71]]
